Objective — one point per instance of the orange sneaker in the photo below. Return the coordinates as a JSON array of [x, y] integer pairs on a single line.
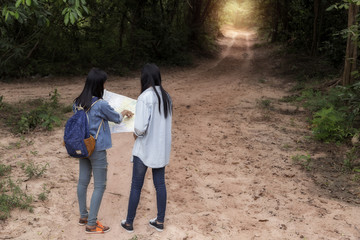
[[98, 228]]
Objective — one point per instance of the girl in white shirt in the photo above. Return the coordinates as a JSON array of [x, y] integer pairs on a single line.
[[152, 135]]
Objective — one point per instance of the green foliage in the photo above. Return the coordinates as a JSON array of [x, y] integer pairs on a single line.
[[336, 113], [329, 124], [349, 161], [4, 170], [70, 36], [44, 194], [45, 116], [33, 170], [292, 23], [34, 114], [265, 103], [11, 196], [304, 160], [1, 101], [314, 100], [349, 97], [134, 238]]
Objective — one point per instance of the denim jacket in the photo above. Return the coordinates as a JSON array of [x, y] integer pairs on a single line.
[[102, 111]]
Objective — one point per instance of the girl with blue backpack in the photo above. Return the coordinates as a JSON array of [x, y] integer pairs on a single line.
[[99, 112], [152, 133]]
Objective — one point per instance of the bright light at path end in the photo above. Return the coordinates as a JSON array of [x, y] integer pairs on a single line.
[[238, 13]]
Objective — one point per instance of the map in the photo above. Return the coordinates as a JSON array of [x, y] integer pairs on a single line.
[[120, 103]]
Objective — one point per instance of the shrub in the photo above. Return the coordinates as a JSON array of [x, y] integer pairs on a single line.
[[44, 194], [11, 196], [45, 116], [34, 114], [34, 170], [330, 125], [4, 170]]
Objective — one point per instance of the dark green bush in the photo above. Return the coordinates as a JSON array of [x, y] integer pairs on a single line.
[[329, 125], [336, 112]]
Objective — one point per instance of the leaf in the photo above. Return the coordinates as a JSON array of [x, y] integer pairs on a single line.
[[72, 18], [66, 19], [28, 2], [83, 2], [17, 15], [18, 2], [4, 11], [7, 15], [86, 9], [79, 13], [331, 7]]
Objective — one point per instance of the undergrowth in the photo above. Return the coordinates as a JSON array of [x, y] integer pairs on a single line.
[[33, 170], [335, 113], [24, 117], [11, 196]]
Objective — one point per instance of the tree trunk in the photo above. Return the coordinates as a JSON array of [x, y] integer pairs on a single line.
[[351, 48], [316, 28], [276, 16], [122, 29]]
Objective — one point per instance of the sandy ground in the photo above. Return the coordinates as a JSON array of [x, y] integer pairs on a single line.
[[230, 176]]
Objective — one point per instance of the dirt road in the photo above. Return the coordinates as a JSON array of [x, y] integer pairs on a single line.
[[230, 176]]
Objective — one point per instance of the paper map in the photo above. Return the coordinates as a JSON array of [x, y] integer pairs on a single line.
[[120, 103]]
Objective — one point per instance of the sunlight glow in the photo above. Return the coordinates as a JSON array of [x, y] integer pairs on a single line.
[[238, 13]]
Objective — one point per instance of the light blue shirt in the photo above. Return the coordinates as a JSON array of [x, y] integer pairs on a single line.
[[153, 144]]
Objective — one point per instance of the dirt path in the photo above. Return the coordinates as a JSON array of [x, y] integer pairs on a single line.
[[230, 176]]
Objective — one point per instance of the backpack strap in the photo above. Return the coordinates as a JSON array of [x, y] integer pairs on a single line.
[[97, 133], [93, 105]]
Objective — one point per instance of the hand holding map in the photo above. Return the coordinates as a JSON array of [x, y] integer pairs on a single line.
[[127, 113], [125, 106]]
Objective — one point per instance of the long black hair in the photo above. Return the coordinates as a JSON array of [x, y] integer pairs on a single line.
[[151, 77], [94, 87]]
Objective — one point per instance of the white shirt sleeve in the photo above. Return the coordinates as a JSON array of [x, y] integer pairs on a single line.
[[142, 119]]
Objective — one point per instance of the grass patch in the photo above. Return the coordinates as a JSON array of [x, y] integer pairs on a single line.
[[24, 117], [33, 170], [351, 163], [289, 99], [303, 160], [44, 194], [11, 196], [4, 170], [265, 104]]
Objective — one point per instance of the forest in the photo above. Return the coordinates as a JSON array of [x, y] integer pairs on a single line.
[[266, 124], [57, 37], [67, 36]]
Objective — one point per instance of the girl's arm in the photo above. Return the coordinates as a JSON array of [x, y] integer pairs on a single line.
[[108, 113], [142, 113]]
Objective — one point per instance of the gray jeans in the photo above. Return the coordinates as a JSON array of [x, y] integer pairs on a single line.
[[96, 164]]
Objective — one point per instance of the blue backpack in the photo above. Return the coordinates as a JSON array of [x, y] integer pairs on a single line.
[[78, 141]]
